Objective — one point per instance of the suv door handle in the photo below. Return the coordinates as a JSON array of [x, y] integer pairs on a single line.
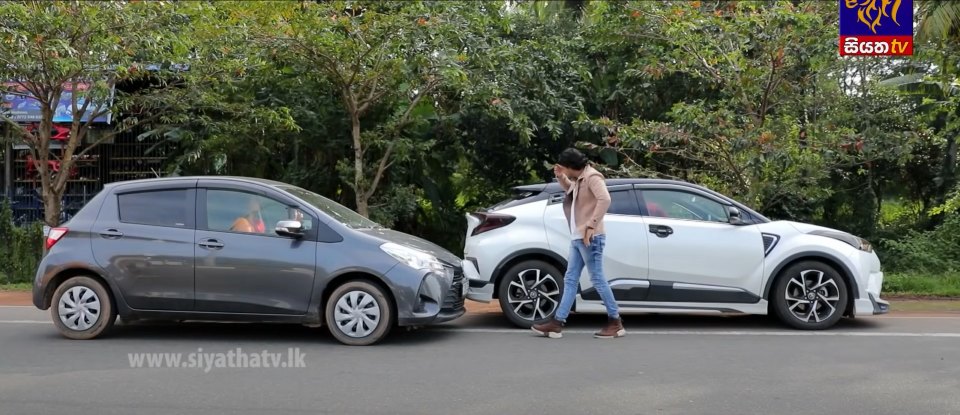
[[662, 231], [211, 244], [111, 234]]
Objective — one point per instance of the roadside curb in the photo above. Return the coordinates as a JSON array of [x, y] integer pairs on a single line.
[[15, 298]]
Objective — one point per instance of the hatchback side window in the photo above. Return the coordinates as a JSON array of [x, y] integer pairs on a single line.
[[158, 208], [683, 205], [236, 211], [623, 202]]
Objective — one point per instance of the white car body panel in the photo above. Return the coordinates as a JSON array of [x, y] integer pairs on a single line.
[[698, 256]]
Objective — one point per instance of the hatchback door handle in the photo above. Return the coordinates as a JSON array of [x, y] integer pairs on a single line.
[[662, 231], [211, 244], [111, 234]]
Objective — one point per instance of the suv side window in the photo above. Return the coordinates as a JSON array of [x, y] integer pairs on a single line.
[[236, 211], [623, 202], [676, 204], [172, 208]]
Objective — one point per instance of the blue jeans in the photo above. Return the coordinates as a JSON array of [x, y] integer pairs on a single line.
[[592, 257]]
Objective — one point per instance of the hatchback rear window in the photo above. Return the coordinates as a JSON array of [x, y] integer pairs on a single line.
[[157, 208]]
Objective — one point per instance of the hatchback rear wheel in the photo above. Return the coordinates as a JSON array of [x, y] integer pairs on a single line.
[[82, 308]]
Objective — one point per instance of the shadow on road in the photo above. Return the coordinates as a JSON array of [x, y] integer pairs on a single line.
[[662, 322]]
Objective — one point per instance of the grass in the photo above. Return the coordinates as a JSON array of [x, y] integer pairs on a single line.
[[916, 285], [16, 286]]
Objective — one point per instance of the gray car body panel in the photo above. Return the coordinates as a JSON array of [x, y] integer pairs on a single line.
[[158, 272]]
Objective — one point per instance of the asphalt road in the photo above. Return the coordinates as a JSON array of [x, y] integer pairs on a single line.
[[480, 365]]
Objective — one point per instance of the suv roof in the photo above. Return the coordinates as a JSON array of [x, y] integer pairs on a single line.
[[554, 186], [531, 192]]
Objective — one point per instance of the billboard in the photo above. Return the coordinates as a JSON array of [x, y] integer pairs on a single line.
[[20, 106]]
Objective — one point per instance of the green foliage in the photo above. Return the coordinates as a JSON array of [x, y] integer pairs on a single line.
[[20, 247], [155, 59], [418, 112], [933, 251], [940, 285]]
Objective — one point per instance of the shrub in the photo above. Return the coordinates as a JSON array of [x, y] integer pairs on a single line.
[[934, 252], [20, 248]]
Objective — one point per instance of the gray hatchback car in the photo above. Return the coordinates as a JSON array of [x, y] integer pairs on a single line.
[[240, 249]]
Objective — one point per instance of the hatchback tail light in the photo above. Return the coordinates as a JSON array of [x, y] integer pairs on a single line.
[[54, 236], [491, 221]]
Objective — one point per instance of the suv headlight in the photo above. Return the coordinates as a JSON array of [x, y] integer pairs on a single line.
[[854, 241], [865, 245], [416, 259]]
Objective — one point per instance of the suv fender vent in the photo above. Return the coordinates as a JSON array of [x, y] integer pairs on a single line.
[[769, 242]]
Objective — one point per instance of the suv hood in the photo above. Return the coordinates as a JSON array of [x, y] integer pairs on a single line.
[[389, 235]]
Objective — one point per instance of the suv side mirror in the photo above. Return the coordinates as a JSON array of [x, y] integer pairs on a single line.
[[733, 216], [289, 228]]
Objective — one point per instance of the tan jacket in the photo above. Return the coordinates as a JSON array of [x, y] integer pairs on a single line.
[[593, 200]]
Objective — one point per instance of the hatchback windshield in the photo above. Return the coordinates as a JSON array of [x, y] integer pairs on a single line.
[[337, 211]]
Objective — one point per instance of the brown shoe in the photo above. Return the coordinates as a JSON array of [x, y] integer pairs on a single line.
[[551, 329], [613, 329]]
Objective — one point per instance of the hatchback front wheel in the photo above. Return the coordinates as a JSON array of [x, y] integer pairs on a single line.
[[359, 313]]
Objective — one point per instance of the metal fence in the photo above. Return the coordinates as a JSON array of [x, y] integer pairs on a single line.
[[125, 158]]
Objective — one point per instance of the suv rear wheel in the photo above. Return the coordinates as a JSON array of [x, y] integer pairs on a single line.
[[82, 308], [530, 292]]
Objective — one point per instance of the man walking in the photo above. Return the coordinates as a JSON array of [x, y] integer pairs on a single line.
[[584, 205]]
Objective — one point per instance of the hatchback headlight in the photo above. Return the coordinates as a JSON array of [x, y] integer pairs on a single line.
[[416, 259]]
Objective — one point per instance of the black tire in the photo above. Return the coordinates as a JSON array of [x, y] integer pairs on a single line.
[[801, 309], [512, 297], [90, 293], [383, 307]]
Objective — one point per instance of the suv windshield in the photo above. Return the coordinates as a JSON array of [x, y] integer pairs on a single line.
[[335, 210]]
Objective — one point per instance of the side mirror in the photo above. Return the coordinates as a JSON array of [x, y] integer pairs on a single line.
[[733, 216], [289, 228]]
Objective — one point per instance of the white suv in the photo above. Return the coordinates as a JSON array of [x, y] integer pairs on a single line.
[[671, 247]]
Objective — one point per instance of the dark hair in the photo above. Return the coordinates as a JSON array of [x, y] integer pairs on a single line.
[[573, 159]]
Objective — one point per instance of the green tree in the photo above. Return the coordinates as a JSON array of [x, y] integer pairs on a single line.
[[392, 55], [142, 62]]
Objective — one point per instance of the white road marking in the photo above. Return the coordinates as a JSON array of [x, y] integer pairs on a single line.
[[827, 333], [726, 333]]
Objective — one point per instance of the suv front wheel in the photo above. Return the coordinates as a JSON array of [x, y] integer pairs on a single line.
[[810, 295], [530, 292]]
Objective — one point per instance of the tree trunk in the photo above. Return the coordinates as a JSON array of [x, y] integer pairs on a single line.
[[51, 207], [949, 169], [358, 187]]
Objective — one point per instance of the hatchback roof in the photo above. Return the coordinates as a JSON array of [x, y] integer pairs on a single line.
[[182, 178]]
